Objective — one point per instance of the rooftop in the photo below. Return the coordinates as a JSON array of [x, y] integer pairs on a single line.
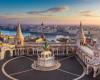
[[87, 50]]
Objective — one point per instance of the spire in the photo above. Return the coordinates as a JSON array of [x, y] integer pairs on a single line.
[[80, 24], [19, 32], [82, 35], [42, 24], [81, 31], [19, 36]]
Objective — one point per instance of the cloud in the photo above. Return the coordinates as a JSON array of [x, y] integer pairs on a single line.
[[22, 16], [51, 10], [88, 13], [48, 13], [89, 0]]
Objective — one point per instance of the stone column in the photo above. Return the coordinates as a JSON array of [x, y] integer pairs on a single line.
[[95, 70], [11, 53], [14, 52], [63, 52], [53, 50], [37, 52], [57, 51], [87, 69], [33, 51], [27, 52], [18, 52], [2, 55], [22, 51], [66, 51]]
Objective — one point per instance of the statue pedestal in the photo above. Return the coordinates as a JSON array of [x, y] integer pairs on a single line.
[[46, 62]]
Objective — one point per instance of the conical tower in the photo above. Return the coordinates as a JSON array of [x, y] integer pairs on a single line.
[[42, 24], [82, 35], [19, 36]]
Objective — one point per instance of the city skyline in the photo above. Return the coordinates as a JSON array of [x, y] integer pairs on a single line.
[[50, 11]]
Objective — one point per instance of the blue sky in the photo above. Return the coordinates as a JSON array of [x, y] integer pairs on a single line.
[[8, 6], [50, 11]]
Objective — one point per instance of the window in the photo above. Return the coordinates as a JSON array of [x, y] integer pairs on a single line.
[[46, 56]]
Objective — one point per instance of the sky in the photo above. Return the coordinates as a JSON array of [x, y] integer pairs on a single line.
[[50, 11]]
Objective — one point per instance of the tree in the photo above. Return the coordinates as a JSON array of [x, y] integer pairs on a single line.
[[65, 41]]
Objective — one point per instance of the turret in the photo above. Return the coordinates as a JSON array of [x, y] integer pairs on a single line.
[[19, 36], [42, 24], [82, 35]]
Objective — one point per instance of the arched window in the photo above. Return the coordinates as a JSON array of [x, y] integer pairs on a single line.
[[49, 55], [14, 53], [7, 54], [46, 56], [30, 51], [42, 56]]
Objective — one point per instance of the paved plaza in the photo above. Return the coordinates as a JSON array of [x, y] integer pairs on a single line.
[[20, 68]]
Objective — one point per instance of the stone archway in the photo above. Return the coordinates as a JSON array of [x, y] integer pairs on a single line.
[[35, 52], [90, 71], [25, 52], [30, 51], [55, 52], [14, 53], [7, 54]]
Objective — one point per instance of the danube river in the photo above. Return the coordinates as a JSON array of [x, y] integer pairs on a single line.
[[48, 36]]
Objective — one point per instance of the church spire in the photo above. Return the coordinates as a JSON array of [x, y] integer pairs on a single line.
[[80, 24], [82, 35], [19, 32], [19, 36], [42, 24]]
